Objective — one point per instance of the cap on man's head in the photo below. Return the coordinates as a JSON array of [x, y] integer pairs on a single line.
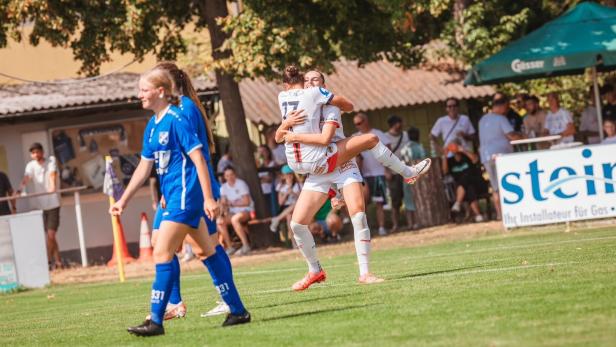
[[36, 145], [393, 119], [499, 99]]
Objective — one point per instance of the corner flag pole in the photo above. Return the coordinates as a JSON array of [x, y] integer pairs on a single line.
[[113, 188]]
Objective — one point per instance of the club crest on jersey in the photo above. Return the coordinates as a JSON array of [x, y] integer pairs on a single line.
[[163, 137]]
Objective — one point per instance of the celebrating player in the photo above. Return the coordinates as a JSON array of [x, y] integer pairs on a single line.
[[185, 183]]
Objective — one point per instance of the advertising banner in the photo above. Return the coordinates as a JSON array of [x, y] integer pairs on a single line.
[[556, 186]]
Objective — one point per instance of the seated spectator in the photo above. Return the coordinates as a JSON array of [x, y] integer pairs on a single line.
[[288, 192], [462, 165], [609, 126], [236, 206], [534, 121], [559, 121], [327, 225], [412, 152], [265, 162]]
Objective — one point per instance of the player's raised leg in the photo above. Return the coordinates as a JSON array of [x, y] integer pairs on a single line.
[[307, 205]]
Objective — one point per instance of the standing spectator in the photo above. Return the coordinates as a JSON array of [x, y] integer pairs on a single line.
[[265, 163], [559, 121], [609, 108], [43, 174], [6, 190], [397, 139], [467, 176], [451, 126], [589, 124], [534, 121], [514, 118], [373, 171], [225, 161], [277, 149], [495, 132], [237, 206], [609, 126], [411, 153]]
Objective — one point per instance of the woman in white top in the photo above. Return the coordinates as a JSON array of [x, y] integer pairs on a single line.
[[609, 126]]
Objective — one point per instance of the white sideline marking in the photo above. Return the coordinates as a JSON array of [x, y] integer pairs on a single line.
[[445, 274]]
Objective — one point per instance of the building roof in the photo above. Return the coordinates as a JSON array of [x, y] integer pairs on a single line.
[[375, 86]]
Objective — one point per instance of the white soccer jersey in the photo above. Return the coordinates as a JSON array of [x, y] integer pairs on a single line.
[[309, 100], [332, 114]]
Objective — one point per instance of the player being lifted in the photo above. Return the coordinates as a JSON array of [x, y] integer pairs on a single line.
[[307, 141]]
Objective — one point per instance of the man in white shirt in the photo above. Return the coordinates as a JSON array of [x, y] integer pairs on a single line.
[[372, 171], [453, 126], [398, 140], [237, 206], [43, 174], [559, 121]]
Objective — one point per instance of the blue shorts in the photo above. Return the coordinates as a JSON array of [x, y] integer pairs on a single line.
[[188, 217]]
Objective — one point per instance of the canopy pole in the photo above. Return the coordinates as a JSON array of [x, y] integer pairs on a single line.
[[597, 101]]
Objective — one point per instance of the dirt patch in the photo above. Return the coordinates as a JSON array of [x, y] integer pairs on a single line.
[[425, 236]]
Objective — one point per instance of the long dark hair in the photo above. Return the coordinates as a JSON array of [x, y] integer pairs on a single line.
[[184, 86]]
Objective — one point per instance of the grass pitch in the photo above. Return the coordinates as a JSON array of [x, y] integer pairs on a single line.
[[519, 289]]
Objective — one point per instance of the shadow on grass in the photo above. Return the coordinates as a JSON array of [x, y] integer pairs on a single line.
[[422, 274], [304, 300], [311, 313]]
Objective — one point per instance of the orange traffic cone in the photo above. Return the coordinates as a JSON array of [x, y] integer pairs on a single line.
[[145, 241], [125, 254]]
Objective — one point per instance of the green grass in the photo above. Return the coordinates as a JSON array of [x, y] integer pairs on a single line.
[[541, 288]]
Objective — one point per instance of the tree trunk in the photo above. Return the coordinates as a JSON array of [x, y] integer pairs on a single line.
[[241, 146]]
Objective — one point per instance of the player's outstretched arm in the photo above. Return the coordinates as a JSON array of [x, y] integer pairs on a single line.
[[142, 172], [322, 139], [342, 103]]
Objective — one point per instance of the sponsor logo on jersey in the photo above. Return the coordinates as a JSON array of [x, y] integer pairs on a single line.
[[163, 137]]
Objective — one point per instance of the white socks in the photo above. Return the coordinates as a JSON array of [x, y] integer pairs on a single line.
[[390, 161], [306, 245], [362, 241]]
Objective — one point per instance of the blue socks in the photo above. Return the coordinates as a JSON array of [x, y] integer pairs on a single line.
[[174, 296], [220, 251], [220, 270], [160, 291]]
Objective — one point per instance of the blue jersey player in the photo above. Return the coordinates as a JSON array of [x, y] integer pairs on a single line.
[[171, 145], [191, 108]]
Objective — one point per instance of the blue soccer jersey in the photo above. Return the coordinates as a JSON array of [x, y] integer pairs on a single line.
[[168, 142], [192, 112]]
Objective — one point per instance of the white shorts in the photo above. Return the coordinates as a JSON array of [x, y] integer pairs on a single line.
[[346, 174], [325, 164]]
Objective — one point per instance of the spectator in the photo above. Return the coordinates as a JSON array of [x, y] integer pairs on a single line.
[[373, 171], [6, 190], [277, 149], [558, 120], [467, 176], [495, 132], [288, 191], [327, 224], [451, 126], [514, 118], [43, 173], [237, 206], [534, 121], [609, 126], [265, 163], [225, 161], [397, 139], [519, 105], [411, 153], [589, 124], [609, 108]]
